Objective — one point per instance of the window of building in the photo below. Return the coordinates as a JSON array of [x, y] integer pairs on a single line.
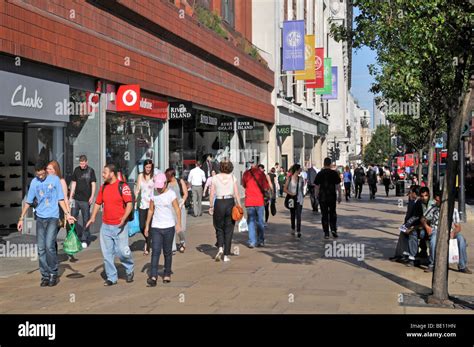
[[228, 12]]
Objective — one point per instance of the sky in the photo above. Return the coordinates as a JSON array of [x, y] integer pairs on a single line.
[[361, 79]]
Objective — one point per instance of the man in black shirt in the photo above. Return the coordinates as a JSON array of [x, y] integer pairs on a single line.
[[328, 191], [372, 181], [359, 179], [83, 187]]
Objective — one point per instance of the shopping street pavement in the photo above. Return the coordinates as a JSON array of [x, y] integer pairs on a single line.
[[289, 275]]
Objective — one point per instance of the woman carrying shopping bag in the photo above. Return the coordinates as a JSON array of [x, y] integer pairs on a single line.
[[226, 193], [143, 190]]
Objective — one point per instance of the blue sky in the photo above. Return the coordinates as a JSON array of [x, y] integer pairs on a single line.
[[361, 79]]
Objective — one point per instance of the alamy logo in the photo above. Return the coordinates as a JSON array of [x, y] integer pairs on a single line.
[[347, 250], [22, 250], [37, 330]]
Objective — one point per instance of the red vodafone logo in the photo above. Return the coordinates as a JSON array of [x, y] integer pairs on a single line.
[[128, 98]]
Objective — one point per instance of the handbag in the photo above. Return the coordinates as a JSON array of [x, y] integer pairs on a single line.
[[391, 186], [453, 251], [134, 225], [237, 213], [290, 201], [273, 209], [267, 194]]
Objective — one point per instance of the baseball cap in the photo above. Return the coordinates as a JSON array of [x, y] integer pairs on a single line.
[[159, 180]]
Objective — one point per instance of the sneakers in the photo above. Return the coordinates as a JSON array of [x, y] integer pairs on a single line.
[[466, 271], [326, 236], [151, 282], [130, 277], [219, 254], [53, 280], [84, 245], [109, 283], [261, 244], [334, 234], [44, 282], [251, 246], [226, 259], [429, 269]]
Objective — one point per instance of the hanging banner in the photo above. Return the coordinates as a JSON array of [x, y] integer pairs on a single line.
[[327, 78], [293, 45], [309, 72], [333, 95], [318, 81]]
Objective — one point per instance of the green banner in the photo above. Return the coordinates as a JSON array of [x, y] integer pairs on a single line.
[[283, 130], [327, 78]]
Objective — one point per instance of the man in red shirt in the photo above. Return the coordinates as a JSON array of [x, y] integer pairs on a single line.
[[116, 198], [255, 183]]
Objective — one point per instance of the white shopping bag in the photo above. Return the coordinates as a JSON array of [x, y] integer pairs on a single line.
[[243, 226], [453, 251]]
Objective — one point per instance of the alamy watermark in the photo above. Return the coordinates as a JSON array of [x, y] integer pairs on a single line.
[[344, 250], [22, 250], [409, 108]]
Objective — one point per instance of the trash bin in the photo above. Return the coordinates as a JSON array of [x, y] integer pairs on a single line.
[[400, 188]]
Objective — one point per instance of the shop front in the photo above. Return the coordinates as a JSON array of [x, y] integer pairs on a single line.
[[195, 133], [135, 135], [31, 129]]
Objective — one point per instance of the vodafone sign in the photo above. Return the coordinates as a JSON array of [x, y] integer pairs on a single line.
[[128, 98]]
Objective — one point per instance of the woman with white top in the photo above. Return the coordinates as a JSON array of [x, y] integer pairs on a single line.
[[165, 218], [294, 186], [143, 191], [226, 193]]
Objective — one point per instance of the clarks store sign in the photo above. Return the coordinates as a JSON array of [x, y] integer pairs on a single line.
[[33, 98]]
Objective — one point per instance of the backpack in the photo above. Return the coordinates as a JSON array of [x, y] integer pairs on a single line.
[[120, 187]]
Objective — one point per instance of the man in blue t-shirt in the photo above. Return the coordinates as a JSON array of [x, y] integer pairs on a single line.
[[48, 193]]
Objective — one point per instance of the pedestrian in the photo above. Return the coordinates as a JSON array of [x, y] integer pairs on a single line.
[[294, 188], [49, 195], [207, 186], [255, 184], [402, 251], [274, 181], [209, 166], [359, 180], [267, 200], [197, 177], [281, 180], [181, 190], [328, 189], [386, 180], [312, 172], [224, 196], [54, 169], [83, 189], [372, 181], [347, 178], [115, 197], [143, 190], [164, 216]]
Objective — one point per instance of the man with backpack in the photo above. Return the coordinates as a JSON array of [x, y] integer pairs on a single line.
[[372, 181], [312, 172], [117, 200], [359, 180]]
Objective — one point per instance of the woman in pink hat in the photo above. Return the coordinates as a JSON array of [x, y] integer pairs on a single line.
[[165, 217]]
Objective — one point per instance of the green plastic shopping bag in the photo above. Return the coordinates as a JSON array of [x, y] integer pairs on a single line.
[[72, 244]]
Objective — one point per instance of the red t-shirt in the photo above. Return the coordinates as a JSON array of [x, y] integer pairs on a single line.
[[253, 194], [114, 203]]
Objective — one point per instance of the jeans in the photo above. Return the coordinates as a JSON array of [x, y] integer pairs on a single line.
[[255, 221], [84, 208], [162, 240], [413, 244], [312, 198], [46, 233], [142, 216], [197, 200], [296, 217], [282, 186], [347, 188], [461, 246], [223, 223], [328, 215], [114, 242]]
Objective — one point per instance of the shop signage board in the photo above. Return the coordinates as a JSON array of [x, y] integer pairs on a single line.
[[283, 130], [180, 110], [27, 97], [226, 126], [128, 98], [245, 124]]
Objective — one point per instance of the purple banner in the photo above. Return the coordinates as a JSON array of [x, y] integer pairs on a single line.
[[293, 45]]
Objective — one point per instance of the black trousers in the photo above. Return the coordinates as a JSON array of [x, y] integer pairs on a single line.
[[223, 223], [312, 198], [267, 210], [386, 183], [373, 190], [358, 189], [142, 215], [296, 217], [347, 188], [328, 215]]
